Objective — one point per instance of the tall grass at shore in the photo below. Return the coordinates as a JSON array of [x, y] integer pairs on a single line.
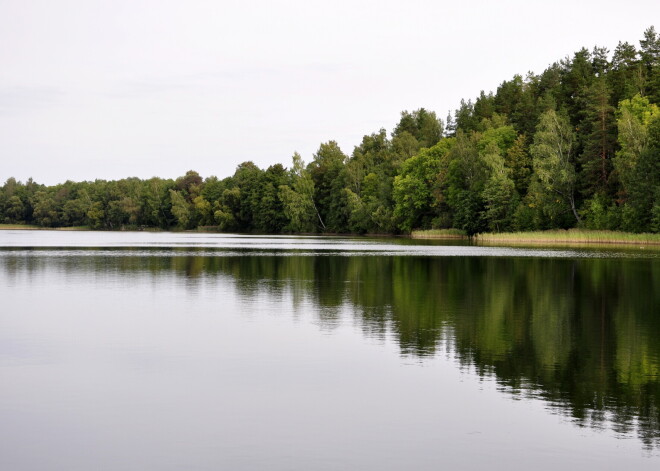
[[25, 227], [438, 234], [30, 227], [571, 236]]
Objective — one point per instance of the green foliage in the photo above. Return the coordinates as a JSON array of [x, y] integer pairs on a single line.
[[626, 73], [298, 199], [577, 144], [600, 213], [525, 216], [227, 209], [519, 163], [422, 125], [599, 140], [646, 176], [14, 209], [417, 186], [499, 193], [327, 172], [553, 157], [156, 202], [497, 132], [633, 119], [464, 117], [650, 63], [181, 209], [469, 210], [270, 217], [655, 213], [356, 213]]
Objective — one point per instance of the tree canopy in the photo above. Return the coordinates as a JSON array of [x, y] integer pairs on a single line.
[[576, 145]]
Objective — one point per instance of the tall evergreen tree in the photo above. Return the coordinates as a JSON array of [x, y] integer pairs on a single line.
[[600, 129], [626, 76], [650, 58]]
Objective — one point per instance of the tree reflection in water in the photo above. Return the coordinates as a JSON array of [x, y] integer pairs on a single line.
[[581, 334]]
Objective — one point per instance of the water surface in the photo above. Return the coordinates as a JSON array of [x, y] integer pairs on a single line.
[[193, 351]]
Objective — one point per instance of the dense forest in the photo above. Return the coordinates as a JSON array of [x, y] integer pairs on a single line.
[[576, 146]]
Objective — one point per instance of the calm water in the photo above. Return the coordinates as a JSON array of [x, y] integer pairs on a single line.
[[134, 351]]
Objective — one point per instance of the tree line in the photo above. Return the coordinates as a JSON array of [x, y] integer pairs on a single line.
[[575, 146]]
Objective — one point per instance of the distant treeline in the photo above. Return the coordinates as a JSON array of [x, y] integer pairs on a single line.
[[576, 146]]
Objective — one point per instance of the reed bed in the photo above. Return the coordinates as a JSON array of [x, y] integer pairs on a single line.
[[26, 227], [29, 227], [571, 236], [439, 234]]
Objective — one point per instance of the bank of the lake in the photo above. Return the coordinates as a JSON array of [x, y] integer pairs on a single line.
[[439, 234], [569, 237], [552, 237], [32, 227], [19, 227]]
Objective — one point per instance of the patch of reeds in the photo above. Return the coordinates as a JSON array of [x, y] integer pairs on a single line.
[[571, 236], [31, 227], [73, 228], [438, 234], [26, 227]]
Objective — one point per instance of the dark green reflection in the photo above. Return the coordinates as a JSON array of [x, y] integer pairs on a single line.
[[584, 334]]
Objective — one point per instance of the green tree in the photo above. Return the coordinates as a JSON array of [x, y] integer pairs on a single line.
[[416, 187], [190, 184], [644, 195], [298, 199], [650, 59], [423, 125], [499, 192], [370, 175], [518, 162], [327, 172], [202, 211], [577, 76], [47, 212], [249, 179], [553, 157], [270, 217], [626, 76], [14, 210], [181, 209], [154, 195], [227, 209], [633, 119], [464, 117], [464, 183], [600, 131]]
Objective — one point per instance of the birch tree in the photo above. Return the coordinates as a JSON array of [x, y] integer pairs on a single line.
[[553, 159]]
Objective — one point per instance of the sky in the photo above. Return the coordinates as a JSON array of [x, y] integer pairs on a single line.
[[113, 89]]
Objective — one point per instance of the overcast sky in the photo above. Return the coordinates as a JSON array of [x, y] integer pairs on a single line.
[[112, 89]]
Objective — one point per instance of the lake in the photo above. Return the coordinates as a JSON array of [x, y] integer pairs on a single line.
[[169, 351]]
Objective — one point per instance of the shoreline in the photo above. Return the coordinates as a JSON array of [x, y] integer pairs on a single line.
[[572, 242], [20, 227], [574, 237]]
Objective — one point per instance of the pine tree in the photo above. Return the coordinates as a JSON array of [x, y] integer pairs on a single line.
[[600, 130], [650, 57]]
